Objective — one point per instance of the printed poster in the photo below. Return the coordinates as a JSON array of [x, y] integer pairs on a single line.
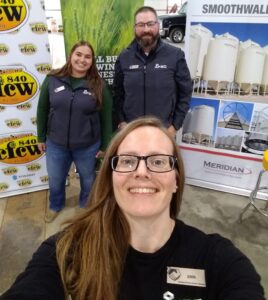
[[24, 61], [225, 132]]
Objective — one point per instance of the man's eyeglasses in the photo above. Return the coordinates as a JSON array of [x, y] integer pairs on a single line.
[[159, 163], [142, 25]]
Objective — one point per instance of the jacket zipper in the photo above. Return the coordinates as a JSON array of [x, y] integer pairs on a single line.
[[69, 125], [144, 89]]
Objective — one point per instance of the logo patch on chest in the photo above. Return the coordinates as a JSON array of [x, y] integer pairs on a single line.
[[86, 92], [186, 276], [133, 67], [157, 66]]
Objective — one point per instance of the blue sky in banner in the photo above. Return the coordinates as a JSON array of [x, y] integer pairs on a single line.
[[258, 33], [243, 109], [204, 101]]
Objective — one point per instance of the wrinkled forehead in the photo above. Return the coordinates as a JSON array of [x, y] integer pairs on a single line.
[[145, 16]]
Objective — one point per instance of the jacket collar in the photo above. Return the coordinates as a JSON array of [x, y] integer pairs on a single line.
[[135, 46], [67, 80]]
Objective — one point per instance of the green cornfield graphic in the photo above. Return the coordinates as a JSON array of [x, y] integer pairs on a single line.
[[106, 24]]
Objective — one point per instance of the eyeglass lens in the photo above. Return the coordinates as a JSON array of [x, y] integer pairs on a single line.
[[148, 24], [155, 163]]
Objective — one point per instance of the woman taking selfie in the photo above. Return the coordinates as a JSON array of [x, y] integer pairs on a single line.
[[129, 244]]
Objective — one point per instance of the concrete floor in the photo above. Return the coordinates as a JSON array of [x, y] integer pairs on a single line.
[[22, 226]]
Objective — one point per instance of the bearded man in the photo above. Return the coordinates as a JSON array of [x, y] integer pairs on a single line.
[[151, 77]]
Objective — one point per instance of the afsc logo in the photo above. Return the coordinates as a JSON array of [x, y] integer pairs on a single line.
[[168, 296]]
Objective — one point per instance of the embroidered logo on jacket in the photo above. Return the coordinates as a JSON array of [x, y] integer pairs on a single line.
[[157, 66], [86, 92], [133, 67]]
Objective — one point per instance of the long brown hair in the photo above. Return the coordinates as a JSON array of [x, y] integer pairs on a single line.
[[94, 80], [91, 250]]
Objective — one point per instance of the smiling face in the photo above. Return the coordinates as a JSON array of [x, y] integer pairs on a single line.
[[146, 36], [81, 61], [142, 193]]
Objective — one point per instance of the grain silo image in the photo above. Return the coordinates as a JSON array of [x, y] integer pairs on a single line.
[[229, 139], [219, 68], [198, 127], [204, 35], [195, 46], [232, 59], [249, 67], [264, 81]]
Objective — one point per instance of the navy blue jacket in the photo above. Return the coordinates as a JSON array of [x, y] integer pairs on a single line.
[[74, 120], [158, 84]]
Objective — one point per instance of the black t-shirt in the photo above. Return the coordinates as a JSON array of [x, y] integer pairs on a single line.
[[191, 265]]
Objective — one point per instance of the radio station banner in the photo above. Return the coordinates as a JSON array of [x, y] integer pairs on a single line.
[[24, 62], [225, 132]]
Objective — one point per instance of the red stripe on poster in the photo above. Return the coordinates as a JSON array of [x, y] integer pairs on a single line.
[[221, 154]]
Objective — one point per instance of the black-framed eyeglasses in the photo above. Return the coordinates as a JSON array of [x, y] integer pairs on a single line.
[[149, 24], [159, 163]]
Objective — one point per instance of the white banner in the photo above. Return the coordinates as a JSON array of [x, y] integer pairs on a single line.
[[24, 61], [226, 130]]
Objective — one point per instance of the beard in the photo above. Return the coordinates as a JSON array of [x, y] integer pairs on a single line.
[[147, 40]]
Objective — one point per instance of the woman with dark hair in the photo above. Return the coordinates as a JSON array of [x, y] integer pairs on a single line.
[[73, 122], [128, 243]]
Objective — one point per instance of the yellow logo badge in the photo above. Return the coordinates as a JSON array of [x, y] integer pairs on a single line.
[[43, 68], [13, 14], [38, 28], [24, 106], [44, 179], [16, 86], [33, 167], [28, 49], [4, 49], [13, 123], [3, 186], [34, 120], [24, 182], [10, 170], [19, 148]]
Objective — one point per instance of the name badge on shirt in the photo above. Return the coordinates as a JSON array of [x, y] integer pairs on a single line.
[[59, 89], [186, 276]]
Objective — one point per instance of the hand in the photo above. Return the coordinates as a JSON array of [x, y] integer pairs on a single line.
[[122, 125], [172, 131], [42, 147], [100, 154]]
